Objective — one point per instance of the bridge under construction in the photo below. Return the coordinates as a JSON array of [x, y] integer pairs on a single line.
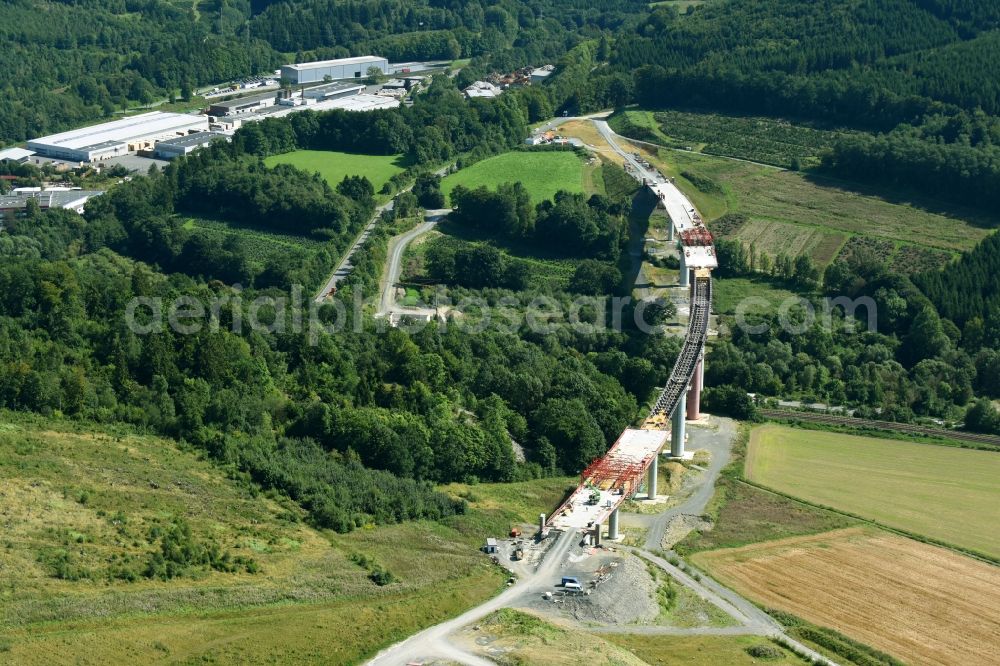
[[618, 475]]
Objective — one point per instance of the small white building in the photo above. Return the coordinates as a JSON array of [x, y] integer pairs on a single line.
[[541, 74], [482, 89], [19, 155], [16, 203]]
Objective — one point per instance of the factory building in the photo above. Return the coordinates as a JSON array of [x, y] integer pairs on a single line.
[[99, 142], [482, 89], [344, 68], [16, 204], [19, 155], [241, 105], [182, 145], [332, 91]]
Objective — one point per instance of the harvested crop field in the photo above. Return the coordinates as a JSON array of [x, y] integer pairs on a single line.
[[920, 603], [941, 492]]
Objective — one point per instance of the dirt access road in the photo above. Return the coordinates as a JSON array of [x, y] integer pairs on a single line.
[[434, 643]]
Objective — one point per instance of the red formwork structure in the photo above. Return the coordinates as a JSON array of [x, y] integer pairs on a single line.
[[612, 471], [698, 237]]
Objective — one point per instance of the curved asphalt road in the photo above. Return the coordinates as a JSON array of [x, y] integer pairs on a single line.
[[397, 247]]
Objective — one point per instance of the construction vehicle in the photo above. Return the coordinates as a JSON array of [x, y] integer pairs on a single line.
[[595, 497], [518, 553]]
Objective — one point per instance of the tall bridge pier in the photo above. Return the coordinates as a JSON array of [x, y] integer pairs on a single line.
[[685, 278], [694, 396], [677, 433]]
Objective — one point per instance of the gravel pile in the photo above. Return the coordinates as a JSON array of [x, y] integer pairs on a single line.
[[680, 526]]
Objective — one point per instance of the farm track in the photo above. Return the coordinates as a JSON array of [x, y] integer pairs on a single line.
[[908, 428]]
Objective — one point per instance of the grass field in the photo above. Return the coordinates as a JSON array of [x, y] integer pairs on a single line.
[[743, 514], [543, 173], [699, 650], [945, 493], [759, 139], [917, 602], [728, 293], [791, 199], [774, 236], [333, 166], [79, 502]]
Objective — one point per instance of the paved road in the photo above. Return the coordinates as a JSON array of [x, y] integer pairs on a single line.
[[651, 174], [433, 642], [397, 247], [718, 443], [345, 266]]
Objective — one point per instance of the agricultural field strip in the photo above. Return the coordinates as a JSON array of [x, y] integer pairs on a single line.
[[887, 591], [856, 474]]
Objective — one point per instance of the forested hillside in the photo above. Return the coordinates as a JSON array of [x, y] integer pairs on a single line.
[[918, 71], [68, 63]]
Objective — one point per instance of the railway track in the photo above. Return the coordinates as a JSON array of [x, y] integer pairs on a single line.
[[908, 428]]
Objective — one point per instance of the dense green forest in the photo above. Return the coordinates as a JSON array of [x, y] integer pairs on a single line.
[[919, 73], [932, 349]]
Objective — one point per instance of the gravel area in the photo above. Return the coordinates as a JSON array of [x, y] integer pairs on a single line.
[[680, 526], [624, 595]]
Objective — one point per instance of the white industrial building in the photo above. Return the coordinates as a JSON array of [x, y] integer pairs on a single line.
[[183, 145], [482, 89], [240, 105], [333, 91], [19, 155], [15, 204], [99, 142], [343, 68]]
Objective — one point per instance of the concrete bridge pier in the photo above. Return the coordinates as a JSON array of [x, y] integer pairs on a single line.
[[694, 400], [677, 433], [652, 477], [613, 525], [685, 277]]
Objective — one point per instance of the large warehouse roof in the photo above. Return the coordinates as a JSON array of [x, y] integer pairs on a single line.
[[360, 60], [145, 124]]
